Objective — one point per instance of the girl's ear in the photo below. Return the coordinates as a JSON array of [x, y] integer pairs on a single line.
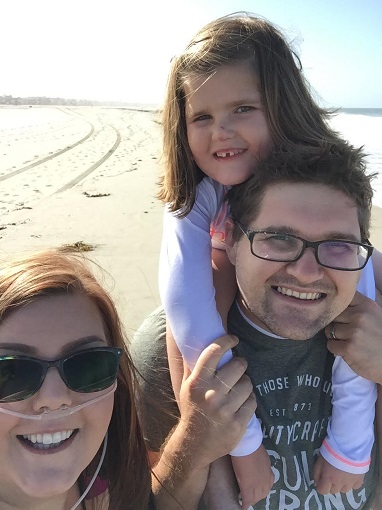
[[230, 243]]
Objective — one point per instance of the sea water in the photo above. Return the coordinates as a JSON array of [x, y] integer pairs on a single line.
[[363, 127]]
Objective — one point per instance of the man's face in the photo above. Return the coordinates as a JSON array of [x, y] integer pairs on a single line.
[[313, 212]]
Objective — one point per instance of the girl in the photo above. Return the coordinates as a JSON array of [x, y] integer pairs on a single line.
[[70, 437], [236, 91]]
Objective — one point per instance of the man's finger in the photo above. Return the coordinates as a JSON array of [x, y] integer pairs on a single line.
[[230, 373], [357, 299], [210, 357]]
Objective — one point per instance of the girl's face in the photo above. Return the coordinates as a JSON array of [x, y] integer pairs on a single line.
[[226, 125], [49, 328]]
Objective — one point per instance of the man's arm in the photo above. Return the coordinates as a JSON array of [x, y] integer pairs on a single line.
[[215, 406]]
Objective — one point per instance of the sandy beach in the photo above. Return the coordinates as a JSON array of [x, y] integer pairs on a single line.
[[88, 174]]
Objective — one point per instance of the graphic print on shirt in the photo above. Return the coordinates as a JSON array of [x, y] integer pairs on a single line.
[[292, 383]]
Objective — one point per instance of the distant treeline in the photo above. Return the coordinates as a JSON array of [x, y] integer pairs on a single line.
[[21, 101]]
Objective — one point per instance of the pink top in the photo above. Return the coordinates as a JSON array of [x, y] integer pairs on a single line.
[[99, 486]]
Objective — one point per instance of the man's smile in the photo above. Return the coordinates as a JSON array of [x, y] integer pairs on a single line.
[[311, 296]]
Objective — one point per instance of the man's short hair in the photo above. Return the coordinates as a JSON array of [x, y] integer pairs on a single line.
[[341, 167]]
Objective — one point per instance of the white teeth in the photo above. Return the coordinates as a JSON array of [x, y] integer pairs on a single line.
[[229, 153], [310, 296], [48, 439]]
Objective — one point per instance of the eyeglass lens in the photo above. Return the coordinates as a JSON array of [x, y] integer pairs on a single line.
[[85, 372], [284, 248]]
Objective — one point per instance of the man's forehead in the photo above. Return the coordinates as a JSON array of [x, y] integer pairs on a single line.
[[314, 211]]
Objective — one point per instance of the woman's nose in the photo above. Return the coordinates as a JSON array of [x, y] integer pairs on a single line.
[[53, 394]]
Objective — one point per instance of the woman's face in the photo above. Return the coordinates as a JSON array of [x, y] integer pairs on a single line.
[[49, 328]]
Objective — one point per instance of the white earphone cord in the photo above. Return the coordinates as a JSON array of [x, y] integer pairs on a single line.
[[95, 474]]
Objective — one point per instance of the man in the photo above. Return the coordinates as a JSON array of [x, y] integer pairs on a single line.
[[288, 292]]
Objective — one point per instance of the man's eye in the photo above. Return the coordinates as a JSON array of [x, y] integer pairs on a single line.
[[279, 237], [281, 241], [340, 247]]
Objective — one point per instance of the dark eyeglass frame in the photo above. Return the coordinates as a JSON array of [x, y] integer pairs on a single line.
[[250, 234], [59, 364]]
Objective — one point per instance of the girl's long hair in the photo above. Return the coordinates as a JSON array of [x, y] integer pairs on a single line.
[[294, 118], [125, 467]]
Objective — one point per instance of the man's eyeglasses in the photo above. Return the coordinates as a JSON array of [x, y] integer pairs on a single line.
[[332, 253], [86, 371]]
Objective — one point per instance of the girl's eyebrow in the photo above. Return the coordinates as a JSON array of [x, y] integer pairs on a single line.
[[33, 351]]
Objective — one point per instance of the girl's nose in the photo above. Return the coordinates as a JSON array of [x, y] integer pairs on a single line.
[[223, 130]]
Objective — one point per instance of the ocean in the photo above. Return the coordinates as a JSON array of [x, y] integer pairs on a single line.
[[363, 127]]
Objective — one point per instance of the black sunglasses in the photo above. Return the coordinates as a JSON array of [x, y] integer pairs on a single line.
[[85, 371]]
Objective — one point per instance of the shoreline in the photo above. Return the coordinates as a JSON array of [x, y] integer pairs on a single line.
[[110, 204]]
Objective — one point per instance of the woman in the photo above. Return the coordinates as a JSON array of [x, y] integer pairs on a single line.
[[69, 433]]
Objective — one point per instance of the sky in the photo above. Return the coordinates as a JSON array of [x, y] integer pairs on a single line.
[[120, 50]]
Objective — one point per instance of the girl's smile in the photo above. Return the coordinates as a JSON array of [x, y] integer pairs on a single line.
[[226, 126]]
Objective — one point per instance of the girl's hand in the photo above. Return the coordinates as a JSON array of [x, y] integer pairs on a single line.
[[330, 480]]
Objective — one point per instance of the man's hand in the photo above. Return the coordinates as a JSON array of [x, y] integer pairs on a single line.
[[216, 405], [330, 480], [358, 337]]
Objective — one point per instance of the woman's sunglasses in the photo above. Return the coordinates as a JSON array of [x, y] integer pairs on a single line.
[[85, 371]]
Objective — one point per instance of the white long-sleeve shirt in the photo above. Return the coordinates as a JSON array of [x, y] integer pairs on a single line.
[[188, 296]]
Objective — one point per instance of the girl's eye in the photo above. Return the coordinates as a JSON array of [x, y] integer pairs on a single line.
[[202, 117], [244, 109]]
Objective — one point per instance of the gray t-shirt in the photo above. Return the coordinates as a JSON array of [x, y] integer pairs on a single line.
[[292, 383]]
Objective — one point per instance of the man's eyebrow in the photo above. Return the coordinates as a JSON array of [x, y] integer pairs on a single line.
[[333, 234], [29, 350]]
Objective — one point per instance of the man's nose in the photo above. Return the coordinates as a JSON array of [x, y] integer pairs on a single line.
[[306, 269]]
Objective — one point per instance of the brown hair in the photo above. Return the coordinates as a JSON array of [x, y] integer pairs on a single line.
[[28, 277], [293, 116], [341, 167]]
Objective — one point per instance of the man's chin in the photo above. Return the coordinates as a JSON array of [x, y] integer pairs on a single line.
[[296, 329]]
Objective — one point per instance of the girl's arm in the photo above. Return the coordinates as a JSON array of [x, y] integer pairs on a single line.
[[224, 278], [224, 281], [346, 450], [185, 275]]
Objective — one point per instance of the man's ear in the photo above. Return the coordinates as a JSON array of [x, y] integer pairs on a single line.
[[229, 242]]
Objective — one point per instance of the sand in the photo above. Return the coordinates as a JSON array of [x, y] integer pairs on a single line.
[[55, 201], [88, 174]]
